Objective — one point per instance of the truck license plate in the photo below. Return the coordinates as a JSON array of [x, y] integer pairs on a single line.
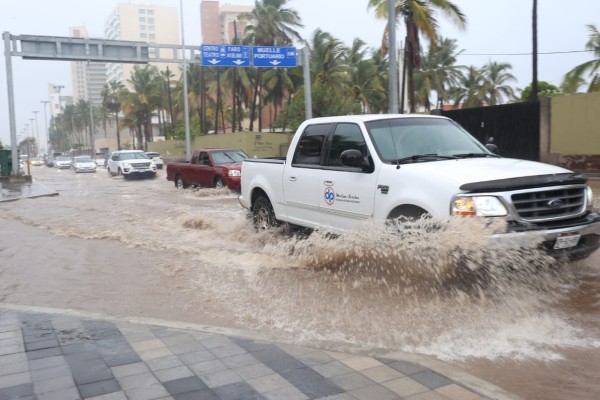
[[567, 240]]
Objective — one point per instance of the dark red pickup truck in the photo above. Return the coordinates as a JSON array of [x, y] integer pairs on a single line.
[[216, 168]]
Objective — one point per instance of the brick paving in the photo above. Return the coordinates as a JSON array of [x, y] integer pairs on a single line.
[[49, 356]]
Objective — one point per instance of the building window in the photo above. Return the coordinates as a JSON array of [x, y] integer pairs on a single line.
[[143, 35], [150, 12], [151, 27], [142, 19], [150, 20], [152, 36], [141, 11], [142, 27]]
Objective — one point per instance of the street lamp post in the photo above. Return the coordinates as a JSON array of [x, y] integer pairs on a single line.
[[44, 102], [188, 146], [32, 133], [37, 129]]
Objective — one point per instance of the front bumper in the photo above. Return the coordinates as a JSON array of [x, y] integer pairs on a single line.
[[588, 227], [233, 182]]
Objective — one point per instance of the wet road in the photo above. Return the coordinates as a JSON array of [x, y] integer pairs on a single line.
[[142, 248]]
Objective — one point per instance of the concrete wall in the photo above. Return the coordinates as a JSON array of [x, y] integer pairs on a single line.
[[254, 144], [574, 131]]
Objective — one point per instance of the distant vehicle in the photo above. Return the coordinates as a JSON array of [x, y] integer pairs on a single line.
[[50, 162], [37, 161], [83, 164], [156, 158], [216, 168], [100, 161], [63, 162], [130, 163]]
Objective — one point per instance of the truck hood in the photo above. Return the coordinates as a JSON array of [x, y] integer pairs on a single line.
[[478, 170]]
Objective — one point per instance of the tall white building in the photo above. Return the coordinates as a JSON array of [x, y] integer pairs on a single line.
[[142, 23], [87, 78]]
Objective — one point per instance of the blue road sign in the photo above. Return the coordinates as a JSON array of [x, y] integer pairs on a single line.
[[223, 55], [272, 56]]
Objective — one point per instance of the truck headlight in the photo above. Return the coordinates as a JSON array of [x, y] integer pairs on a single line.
[[234, 172], [126, 165], [481, 206], [590, 197]]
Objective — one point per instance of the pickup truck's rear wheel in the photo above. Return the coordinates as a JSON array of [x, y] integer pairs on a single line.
[[179, 183], [263, 215], [219, 184]]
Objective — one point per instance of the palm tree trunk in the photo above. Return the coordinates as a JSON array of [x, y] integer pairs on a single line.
[[254, 99], [218, 100]]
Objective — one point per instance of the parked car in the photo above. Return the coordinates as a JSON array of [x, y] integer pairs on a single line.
[[63, 162], [50, 162], [154, 156], [216, 168], [131, 163], [83, 164]]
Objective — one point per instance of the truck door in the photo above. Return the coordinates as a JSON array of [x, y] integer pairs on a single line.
[[346, 194], [202, 170], [301, 176]]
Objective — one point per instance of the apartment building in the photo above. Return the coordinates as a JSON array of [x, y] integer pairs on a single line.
[[219, 23], [87, 78], [142, 23]]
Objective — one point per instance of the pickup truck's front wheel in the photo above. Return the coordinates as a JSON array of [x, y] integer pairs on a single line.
[[263, 215], [219, 184], [179, 183]]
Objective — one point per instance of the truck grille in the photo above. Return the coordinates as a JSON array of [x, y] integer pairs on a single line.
[[557, 203], [140, 165]]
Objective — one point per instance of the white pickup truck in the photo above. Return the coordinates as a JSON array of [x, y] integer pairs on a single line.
[[342, 171]]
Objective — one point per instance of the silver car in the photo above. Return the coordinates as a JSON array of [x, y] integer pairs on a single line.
[[62, 162], [84, 164]]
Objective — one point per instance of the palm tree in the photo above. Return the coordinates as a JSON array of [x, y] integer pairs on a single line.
[[438, 72], [495, 82], [270, 24], [329, 72], [576, 77], [146, 84], [167, 75], [278, 83], [111, 99], [469, 90], [418, 16]]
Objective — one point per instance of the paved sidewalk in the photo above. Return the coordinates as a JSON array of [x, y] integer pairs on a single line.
[[49, 354], [15, 189]]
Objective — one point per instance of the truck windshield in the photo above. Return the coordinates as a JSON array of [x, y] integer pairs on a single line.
[[405, 138], [227, 157]]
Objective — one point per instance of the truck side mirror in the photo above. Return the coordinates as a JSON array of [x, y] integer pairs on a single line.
[[354, 158], [492, 147]]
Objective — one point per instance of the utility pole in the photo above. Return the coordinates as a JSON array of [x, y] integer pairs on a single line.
[[533, 96]]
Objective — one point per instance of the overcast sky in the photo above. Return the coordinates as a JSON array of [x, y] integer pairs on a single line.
[[496, 30]]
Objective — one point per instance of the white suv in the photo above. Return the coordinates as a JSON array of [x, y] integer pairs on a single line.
[[131, 163], [154, 156]]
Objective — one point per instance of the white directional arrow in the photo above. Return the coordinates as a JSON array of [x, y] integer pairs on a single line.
[[214, 61], [274, 62], [239, 62]]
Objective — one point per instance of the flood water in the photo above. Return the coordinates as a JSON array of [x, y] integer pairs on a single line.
[[142, 248]]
